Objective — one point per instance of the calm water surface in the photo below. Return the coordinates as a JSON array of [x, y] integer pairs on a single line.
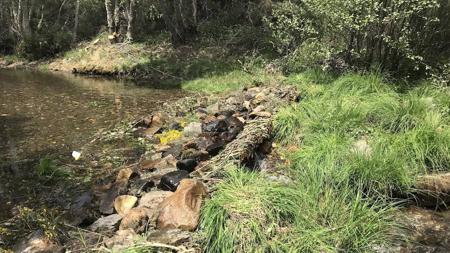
[[42, 112]]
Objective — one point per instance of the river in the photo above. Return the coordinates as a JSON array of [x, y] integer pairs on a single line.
[[47, 113]]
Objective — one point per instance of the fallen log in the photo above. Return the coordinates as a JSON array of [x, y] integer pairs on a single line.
[[240, 149], [433, 190]]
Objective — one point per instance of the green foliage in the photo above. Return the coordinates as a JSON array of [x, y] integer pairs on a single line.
[[48, 169], [358, 125], [248, 213]]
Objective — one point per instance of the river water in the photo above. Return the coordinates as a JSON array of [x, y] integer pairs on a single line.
[[47, 113], [43, 112]]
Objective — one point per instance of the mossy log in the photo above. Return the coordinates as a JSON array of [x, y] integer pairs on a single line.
[[240, 149]]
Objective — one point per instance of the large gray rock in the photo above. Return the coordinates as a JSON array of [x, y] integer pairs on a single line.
[[106, 224]]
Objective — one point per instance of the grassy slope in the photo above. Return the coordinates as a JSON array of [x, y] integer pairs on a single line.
[[358, 142], [203, 67]]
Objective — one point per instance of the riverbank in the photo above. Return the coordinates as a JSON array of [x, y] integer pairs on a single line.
[[350, 154]]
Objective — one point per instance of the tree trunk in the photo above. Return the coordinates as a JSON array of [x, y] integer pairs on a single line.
[[75, 26], [130, 20], [110, 9]]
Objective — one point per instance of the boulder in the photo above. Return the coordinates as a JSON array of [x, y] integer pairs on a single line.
[[171, 180], [182, 209], [187, 165], [136, 219], [80, 210], [106, 224], [193, 129], [124, 203]]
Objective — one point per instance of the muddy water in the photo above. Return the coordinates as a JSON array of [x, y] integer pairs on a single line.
[[44, 113]]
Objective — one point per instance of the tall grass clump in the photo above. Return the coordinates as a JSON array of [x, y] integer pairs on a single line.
[[249, 213]]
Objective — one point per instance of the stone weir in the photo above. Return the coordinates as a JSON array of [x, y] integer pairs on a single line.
[[192, 144]]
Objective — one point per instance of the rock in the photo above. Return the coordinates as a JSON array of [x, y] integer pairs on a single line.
[[122, 239], [259, 108], [136, 219], [216, 126], [259, 98], [214, 148], [149, 132], [124, 175], [107, 200], [173, 237], [174, 150], [124, 203], [198, 155], [171, 180], [140, 186], [37, 242], [108, 223], [182, 209], [187, 165], [193, 129], [159, 164], [213, 109], [247, 105], [80, 210], [261, 114], [151, 200], [175, 126]]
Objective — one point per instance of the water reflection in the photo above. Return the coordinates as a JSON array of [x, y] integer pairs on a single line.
[[42, 111]]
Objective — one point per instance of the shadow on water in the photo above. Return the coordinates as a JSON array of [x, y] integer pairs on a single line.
[[45, 114]]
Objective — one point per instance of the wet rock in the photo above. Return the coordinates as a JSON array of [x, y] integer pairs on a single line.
[[216, 126], [171, 180], [124, 203], [182, 209], [193, 129], [187, 165], [37, 242], [136, 219], [173, 237], [152, 199], [106, 224]]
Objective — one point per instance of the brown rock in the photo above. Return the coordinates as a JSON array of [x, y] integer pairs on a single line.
[[152, 199], [124, 203], [136, 219], [182, 209]]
